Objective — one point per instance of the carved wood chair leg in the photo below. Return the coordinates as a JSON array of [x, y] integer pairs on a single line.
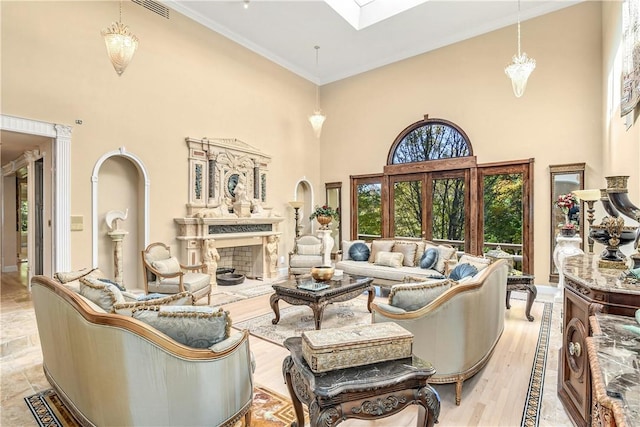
[[459, 391], [247, 418]]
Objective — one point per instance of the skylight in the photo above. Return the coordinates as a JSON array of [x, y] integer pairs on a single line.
[[363, 13]]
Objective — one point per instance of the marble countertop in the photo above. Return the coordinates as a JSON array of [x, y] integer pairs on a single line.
[[584, 270], [618, 352]]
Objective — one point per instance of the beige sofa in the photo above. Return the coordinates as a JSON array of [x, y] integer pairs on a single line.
[[114, 370], [386, 275], [458, 331]]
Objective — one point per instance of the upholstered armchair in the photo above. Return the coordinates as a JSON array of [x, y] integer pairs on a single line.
[[308, 252], [456, 325], [163, 274]]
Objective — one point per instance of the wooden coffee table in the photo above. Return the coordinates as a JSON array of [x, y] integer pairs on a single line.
[[368, 392], [340, 289]]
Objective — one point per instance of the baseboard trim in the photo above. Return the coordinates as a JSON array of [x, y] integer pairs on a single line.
[[9, 268]]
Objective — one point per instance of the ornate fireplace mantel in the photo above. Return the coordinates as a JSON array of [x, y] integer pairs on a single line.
[[226, 207], [226, 228], [195, 235]]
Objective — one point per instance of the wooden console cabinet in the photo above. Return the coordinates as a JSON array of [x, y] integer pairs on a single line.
[[587, 288]]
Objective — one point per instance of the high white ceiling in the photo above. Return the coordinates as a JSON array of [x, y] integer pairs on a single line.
[[354, 35], [390, 30]]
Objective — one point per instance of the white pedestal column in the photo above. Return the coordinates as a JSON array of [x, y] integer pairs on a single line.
[[565, 247], [117, 236], [327, 244]]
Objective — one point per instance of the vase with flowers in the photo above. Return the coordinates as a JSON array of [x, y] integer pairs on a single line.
[[566, 202], [324, 215]]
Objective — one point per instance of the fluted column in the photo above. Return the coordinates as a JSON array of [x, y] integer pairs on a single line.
[[62, 195]]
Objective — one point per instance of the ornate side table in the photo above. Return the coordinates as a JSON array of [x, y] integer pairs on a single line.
[[363, 392], [523, 282]]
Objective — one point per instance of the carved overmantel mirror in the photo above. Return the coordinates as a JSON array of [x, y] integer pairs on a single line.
[[564, 179], [218, 166], [227, 210]]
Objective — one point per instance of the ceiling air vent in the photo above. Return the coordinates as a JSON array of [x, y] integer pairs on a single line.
[[154, 7]]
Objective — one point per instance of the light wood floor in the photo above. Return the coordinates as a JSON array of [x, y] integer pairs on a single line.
[[494, 397]]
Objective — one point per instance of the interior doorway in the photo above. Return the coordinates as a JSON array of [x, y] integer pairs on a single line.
[[22, 216], [52, 143]]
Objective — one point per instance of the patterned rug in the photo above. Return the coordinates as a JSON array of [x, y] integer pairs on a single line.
[[222, 295], [531, 414], [298, 318], [269, 409]]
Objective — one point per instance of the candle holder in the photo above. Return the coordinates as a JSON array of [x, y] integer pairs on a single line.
[[589, 197], [296, 205]]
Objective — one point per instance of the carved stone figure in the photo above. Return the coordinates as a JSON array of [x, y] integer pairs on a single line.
[[210, 258], [272, 253], [256, 207], [209, 213], [240, 191]]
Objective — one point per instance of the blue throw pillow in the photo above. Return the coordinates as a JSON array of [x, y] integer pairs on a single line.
[[462, 270], [150, 297], [122, 288], [359, 252], [429, 258]]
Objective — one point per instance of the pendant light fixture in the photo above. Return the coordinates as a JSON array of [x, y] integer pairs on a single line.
[[521, 67], [317, 118], [121, 44]]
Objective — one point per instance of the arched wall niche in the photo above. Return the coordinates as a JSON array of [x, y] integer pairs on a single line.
[[303, 191], [142, 217]]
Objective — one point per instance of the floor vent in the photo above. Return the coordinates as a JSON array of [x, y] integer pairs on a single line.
[[154, 7]]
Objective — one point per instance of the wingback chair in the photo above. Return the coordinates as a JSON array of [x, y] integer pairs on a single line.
[[307, 252], [164, 274]]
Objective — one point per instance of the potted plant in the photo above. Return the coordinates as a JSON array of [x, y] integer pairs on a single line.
[[566, 202], [324, 215]]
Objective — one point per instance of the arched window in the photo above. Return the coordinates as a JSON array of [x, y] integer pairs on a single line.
[[429, 139], [432, 188]]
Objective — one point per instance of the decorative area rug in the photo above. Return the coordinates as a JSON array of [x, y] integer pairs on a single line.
[[223, 295], [269, 409], [298, 318], [531, 414], [49, 411]]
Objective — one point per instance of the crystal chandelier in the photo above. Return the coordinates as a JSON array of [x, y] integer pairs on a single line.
[[317, 118], [521, 67], [121, 44]]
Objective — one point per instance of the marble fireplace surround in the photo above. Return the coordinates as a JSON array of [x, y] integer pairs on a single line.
[[228, 207], [231, 233]]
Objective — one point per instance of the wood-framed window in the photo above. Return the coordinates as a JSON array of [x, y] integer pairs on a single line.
[[433, 188]]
